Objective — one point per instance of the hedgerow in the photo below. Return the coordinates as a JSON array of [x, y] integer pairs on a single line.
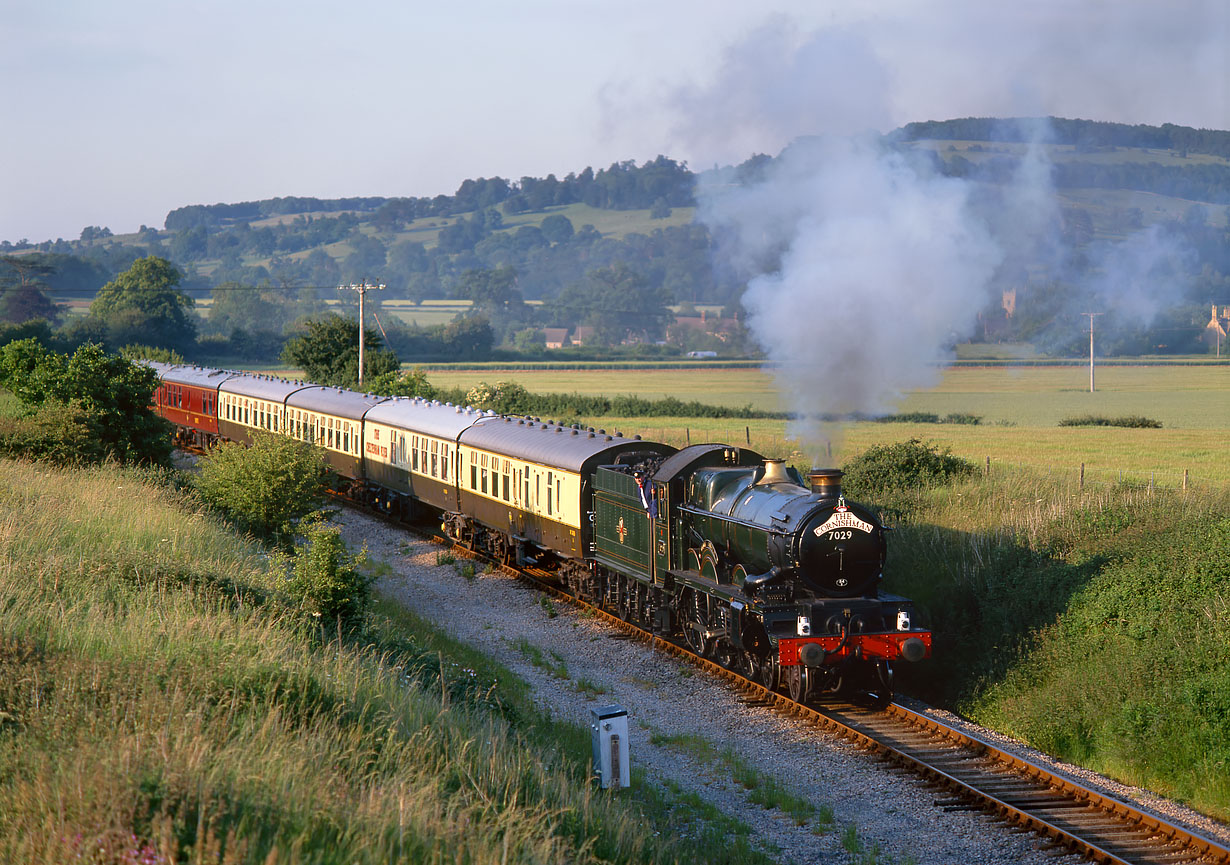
[[512, 398], [1095, 420]]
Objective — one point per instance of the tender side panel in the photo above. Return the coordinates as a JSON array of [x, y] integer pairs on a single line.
[[622, 528]]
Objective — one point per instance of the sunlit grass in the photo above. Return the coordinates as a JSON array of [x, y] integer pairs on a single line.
[[1094, 624], [158, 702]]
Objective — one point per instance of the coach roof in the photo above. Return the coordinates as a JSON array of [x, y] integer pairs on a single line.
[[263, 386], [425, 417], [571, 448], [334, 401], [194, 376]]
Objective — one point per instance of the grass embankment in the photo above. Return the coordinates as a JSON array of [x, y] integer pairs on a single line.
[[158, 702], [1095, 626]]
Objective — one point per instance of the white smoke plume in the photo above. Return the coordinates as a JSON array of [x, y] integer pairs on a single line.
[[865, 264], [882, 266]]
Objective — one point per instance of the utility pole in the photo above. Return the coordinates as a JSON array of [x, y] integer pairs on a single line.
[[362, 288], [1091, 317]]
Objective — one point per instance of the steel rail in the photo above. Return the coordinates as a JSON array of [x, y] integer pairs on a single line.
[[1016, 790], [981, 776]]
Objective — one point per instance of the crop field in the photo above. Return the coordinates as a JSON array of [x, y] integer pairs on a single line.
[[1020, 409]]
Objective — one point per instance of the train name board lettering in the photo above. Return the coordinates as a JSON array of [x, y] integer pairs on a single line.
[[377, 450], [842, 520]]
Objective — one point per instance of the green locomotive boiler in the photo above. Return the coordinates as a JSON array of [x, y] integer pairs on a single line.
[[755, 567]]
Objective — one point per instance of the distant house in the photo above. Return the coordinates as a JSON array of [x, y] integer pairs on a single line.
[[582, 334], [556, 337]]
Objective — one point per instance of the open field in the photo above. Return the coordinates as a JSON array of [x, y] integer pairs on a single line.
[[1020, 407], [1196, 397]]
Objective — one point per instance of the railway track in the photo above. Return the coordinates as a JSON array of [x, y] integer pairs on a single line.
[[967, 773]]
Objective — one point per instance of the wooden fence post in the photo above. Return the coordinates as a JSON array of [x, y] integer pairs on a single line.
[[1082, 484], [987, 472], [1185, 479], [747, 431]]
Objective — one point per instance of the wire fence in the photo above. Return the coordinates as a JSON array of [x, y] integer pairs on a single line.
[[1079, 474]]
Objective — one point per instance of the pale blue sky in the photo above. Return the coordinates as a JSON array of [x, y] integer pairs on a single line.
[[117, 111]]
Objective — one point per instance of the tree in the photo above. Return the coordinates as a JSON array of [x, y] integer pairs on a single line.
[[142, 305], [411, 383], [557, 228], [250, 309], [328, 352], [469, 337], [22, 281], [619, 303], [112, 393], [531, 340]]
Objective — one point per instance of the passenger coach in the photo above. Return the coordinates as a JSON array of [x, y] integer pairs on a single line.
[[532, 480]]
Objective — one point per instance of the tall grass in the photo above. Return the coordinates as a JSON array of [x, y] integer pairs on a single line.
[[159, 703], [1095, 624]]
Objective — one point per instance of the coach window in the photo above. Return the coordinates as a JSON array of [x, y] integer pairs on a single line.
[[507, 471], [549, 487], [559, 497], [483, 472], [446, 455]]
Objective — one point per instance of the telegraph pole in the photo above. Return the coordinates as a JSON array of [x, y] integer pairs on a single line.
[[362, 288], [1091, 317]]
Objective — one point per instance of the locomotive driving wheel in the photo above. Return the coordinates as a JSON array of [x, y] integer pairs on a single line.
[[798, 682], [696, 623], [769, 671]]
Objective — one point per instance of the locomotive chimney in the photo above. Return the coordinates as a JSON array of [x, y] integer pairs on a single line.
[[825, 483], [774, 473]]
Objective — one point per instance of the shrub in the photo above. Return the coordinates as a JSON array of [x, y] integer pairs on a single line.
[[265, 489], [884, 469], [326, 580], [57, 433], [1095, 420]]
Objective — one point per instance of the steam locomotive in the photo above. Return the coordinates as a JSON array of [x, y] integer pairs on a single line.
[[739, 556]]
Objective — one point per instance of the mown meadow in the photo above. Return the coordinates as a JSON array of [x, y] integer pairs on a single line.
[[1019, 407], [160, 702]]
